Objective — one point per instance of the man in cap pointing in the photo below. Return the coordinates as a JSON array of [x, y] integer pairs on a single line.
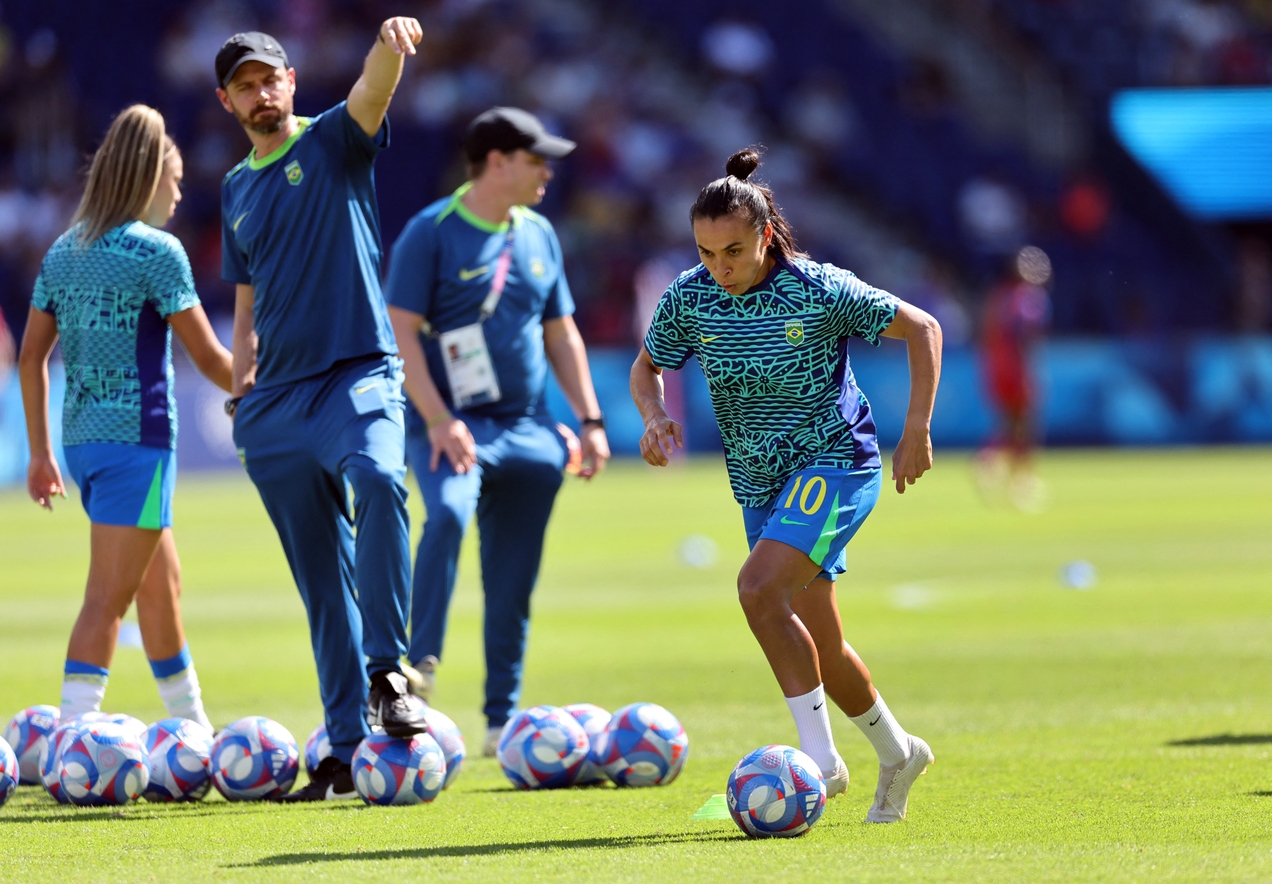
[[481, 307]]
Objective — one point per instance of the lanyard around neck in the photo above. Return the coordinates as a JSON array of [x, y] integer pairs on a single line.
[[502, 265]]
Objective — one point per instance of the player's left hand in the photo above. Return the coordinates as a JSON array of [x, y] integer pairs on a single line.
[[596, 452], [913, 456], [401, 34]]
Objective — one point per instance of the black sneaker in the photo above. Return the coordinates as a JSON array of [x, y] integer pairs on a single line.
[[332, 781], [391, 706]]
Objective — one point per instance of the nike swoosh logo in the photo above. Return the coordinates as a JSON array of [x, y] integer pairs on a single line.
[[818, 706], [333, 795], [876, 721], [361, 390], [240, 219], [786, 521], [466, 275], [708, 340]]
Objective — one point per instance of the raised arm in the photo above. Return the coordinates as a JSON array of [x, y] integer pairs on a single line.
[[369, 99], [205, 351], [662, 434], [44, 478], [922, 336], [446, 434], [243, 377], [565, 351]]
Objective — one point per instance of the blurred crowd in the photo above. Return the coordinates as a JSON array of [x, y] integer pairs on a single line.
[[866, 151]]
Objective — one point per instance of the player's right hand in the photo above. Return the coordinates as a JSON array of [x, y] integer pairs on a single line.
[[452, 438], [662, 436], [44, 480]]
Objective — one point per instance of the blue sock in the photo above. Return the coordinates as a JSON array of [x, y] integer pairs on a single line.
[[174, 665]]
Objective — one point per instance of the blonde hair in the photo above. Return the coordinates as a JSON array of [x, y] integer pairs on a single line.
[[125, 173]]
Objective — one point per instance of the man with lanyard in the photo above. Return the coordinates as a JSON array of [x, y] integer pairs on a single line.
[[480, 304], [317, 401]]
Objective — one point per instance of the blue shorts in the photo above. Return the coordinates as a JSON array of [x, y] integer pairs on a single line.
[[122, 484], [817, 512]]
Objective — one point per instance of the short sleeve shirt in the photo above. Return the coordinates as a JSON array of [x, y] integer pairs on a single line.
[[442, 267], [112, 300], [776, 364], [302, 225]]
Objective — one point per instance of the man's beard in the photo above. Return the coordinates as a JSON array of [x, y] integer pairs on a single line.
[[265, 127]]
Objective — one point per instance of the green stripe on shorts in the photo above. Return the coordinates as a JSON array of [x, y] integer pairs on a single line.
[[152, 510], [828, 532]]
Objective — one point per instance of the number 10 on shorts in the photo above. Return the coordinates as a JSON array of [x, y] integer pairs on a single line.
[[810, 497]]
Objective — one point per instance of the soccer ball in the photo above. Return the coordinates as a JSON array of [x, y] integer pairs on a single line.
[[776, 792], [543, 747], [135, 726], [388, 770], [25, 733], [9, 774], [317, 747], [643, 745], [593, 719], [254, 758], [103, 763], [178, 750], [51, 759], [447, 735]]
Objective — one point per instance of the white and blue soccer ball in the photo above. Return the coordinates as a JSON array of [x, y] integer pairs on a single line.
[[543, 747], [776, 792], [9, 771], [446, 733], [103, 764], [51, 758], [178, 751], [593, 719], [254, 758], [317, 747], [25, 733], [135, 726], [643, 745], [396, 771]]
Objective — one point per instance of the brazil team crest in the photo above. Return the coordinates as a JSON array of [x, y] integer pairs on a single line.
[[794, 332], [294, 173]]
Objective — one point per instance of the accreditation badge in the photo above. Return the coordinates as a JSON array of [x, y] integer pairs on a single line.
[[468, 367]]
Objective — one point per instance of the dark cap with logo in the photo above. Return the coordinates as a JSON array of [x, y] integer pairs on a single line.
[[506, 129], [252, 46]]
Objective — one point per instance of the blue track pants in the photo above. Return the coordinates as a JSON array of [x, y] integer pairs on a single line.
[[512, 488], [301, 443]]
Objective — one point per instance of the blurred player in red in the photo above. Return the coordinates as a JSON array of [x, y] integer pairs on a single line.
[[1015, 317]]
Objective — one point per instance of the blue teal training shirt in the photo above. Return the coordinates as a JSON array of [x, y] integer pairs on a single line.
[[441, 268], [776, 363], [112, 300], [302, 225]]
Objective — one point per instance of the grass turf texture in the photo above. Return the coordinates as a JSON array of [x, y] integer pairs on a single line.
[[1117, 734]]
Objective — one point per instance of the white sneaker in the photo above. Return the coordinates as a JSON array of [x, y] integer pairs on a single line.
[[490, 747], [422, 677], [837, 782], [895, 781]]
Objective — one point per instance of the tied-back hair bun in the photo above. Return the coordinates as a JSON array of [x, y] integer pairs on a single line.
[[742, 164]]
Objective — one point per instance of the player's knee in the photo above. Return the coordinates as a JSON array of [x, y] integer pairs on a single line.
[[445, 522], [759, 598], [372, 478]]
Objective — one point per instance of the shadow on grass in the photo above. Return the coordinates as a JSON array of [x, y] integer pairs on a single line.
[[462, 850], [150, 812], [1224, 740], [1261, 794]]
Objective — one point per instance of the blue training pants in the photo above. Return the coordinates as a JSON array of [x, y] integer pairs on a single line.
[[512, 488], [301, 443]]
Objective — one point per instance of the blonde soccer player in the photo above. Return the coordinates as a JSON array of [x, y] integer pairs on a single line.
[[113, 288], [770, 329]]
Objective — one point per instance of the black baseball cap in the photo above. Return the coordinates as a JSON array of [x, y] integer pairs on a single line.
[[506, 129], [251, 46]]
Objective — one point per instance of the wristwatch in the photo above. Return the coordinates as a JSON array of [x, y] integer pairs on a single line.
[[598, 421], [232, 404]]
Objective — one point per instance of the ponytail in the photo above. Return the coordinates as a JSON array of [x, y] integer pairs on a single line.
[[735, 195]]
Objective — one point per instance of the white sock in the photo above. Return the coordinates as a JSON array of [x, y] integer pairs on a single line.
[[813, 723], [182, 696], [83, 688], [881, 729]]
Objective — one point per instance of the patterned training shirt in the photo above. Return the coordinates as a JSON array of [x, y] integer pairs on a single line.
[[112, 300], [776, 363]]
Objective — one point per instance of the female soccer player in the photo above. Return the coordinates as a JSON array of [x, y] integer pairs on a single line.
[[112, 287], [770, 329]]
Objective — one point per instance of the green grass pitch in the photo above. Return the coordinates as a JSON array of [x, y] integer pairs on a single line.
[[1120, 733]]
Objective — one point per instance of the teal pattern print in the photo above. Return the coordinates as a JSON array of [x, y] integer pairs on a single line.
[[112, 300], [776, 364]]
